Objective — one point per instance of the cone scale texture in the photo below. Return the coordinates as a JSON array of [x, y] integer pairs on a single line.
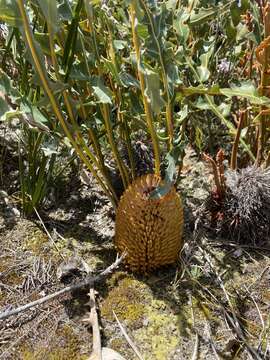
[[150, 230]]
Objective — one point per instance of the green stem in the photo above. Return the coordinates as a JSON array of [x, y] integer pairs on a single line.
[[148, 112]]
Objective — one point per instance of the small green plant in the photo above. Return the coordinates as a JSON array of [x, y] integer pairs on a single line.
[[36, 167]]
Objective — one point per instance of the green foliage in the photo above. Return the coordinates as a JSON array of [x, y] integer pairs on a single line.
[[97, 74], [37, 159]]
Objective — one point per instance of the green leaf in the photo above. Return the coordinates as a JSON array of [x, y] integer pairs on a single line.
[[35, 118], [10, 13], [182, 114], [4, 108], [202, 70], [103, 93], [43, 40], [119, 44], [171, 159], [111, 69], [180, 26], [248, 91], [7, 88], [153, 91], [64, 11], [128, 80], [50, 12], [202, 16]]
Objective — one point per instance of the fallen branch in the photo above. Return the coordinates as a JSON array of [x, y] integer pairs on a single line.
[[93, 321], [88, 281]]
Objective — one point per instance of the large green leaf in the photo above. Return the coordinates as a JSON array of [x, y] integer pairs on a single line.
[[50, 12], [153, 91], [7, 88]]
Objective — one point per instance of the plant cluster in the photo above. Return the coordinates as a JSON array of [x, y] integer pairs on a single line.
[[103, 76]]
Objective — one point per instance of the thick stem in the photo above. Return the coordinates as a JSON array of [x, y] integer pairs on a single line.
[[148, 112], [169, 110]]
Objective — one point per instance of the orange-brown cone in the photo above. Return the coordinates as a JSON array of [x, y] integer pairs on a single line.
[[150, 230]]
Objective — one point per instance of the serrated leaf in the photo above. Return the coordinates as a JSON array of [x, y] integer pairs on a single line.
[[128, 80], [180, 26], [34, 116], [65, 11], [203, 71], [248, 91], [43, 40], [152, 90], [202, 104], [7, 88], [182, 114], [111, 69]]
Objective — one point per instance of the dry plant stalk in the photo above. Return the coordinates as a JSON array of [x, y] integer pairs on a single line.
[[218, 172], [263, 57], [240, 123]]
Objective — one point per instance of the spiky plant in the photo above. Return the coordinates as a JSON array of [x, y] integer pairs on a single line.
[[243, 212]]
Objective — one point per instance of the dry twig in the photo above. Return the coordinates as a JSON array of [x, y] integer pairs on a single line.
[[88, 281]]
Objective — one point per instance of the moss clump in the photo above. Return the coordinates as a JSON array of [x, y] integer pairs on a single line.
[[68, 348], [127, 301], [161, 335]]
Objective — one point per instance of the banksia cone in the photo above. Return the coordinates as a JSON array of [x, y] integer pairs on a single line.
[[150, 230]]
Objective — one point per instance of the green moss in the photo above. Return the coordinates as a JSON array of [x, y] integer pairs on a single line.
[[127, 301]]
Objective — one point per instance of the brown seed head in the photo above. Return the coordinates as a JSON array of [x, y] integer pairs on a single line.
[[149, 229]]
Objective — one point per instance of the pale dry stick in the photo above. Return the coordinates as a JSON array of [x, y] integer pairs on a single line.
[[86, 282], [130, 342], [93, 321], [48, 234]]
